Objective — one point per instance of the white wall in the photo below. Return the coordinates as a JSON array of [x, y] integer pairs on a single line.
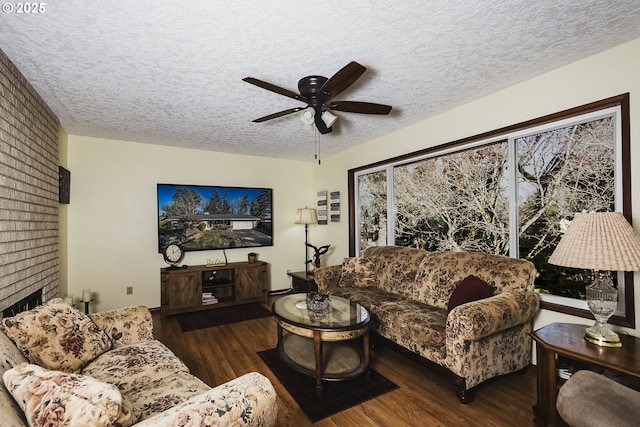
[[111, 230], [601, 76]]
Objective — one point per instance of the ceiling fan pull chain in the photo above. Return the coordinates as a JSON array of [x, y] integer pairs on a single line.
[[317, 144]]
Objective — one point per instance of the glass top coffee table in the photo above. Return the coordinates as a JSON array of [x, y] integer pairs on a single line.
[[331, 347]]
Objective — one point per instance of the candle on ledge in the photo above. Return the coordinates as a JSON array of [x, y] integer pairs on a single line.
[[86, 295], [69, 299]]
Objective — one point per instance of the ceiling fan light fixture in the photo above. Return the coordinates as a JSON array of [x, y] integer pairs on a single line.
[[307, 116], [328, 118], [317, 92]]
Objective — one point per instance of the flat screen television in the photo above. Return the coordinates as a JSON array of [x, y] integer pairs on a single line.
[[200, 217]]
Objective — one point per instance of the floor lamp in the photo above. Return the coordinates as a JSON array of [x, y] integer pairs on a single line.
[[306, 216]]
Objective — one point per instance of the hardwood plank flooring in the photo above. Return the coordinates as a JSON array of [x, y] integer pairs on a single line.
[[426, 396]]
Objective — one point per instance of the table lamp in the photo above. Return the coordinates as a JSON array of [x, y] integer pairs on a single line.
[[306, 216], [603, 242]]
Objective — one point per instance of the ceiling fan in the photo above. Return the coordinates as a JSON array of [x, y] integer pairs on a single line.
[[318, 92]]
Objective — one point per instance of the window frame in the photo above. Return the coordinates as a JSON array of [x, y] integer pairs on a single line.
[[623, 194]]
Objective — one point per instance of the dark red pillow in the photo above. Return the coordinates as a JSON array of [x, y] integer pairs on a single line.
[[469, 289]]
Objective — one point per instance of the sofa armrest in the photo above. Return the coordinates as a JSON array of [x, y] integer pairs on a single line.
[[125, 325], [478, 319], [327, 277], [249, 400]]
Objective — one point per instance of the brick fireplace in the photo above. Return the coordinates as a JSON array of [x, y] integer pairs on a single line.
[[29, 229]]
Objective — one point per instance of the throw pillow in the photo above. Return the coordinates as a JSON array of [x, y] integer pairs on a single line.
[[57, 336], [125, 325], [54, 398], [357, 272], [471, 288]]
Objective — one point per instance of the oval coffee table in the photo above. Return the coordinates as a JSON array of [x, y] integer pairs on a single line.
[[325, 347]]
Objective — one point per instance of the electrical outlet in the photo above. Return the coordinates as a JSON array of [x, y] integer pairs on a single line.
[[129, 290]]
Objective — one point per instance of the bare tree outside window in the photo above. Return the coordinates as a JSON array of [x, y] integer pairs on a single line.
[[562, 172], [372, 190], [509, 192], [454, 202]]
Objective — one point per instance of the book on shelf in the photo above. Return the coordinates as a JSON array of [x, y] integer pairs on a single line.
[[209, 298]]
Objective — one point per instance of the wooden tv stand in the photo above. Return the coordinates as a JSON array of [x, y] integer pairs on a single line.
[[186, 289]]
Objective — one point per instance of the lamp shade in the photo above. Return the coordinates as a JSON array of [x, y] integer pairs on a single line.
[[599, 241], [306, 216], [328, 118]]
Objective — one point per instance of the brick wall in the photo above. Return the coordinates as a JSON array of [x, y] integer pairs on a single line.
[[28, 190]]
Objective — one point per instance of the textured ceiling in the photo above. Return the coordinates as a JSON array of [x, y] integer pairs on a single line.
[[170, 72]]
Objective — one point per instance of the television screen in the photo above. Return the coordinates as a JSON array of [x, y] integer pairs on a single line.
[[200, 218]]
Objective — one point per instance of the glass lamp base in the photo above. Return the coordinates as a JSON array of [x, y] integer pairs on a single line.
[[600, 334], [602, 300]]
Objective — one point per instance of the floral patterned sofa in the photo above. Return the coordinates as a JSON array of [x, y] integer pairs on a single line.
[[61, 367], [469, 312]]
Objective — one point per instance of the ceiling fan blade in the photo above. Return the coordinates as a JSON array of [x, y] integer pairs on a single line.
[[360, 107], [320, 124], [274, 88], [278, 114], [342, 80]]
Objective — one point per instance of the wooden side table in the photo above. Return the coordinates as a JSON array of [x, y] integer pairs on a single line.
[[302, 282], [567, 340]]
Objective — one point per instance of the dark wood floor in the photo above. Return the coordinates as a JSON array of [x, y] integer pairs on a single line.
[[426, 397]]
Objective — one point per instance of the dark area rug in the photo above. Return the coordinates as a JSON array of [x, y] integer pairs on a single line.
[[221, 316], [337, 395]]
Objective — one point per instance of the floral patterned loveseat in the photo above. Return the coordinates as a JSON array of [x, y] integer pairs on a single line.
[[469, 312], [61, 367]]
